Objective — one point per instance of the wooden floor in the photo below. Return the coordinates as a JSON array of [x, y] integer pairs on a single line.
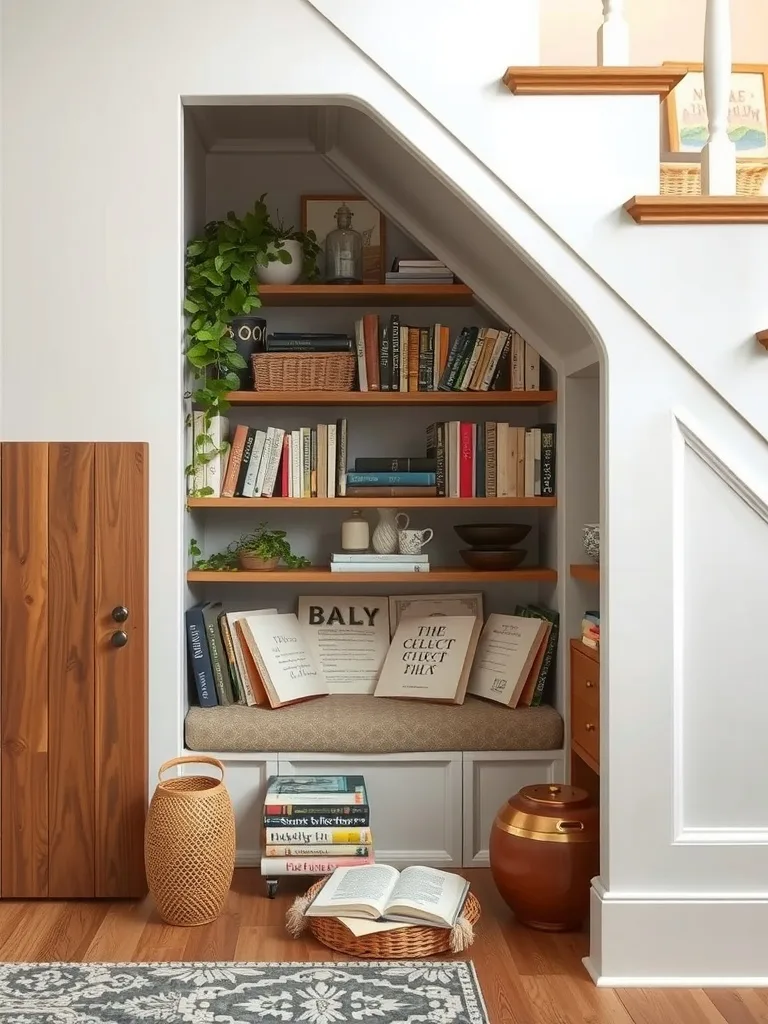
[[527, 977]]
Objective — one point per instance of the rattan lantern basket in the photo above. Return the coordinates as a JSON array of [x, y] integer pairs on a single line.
[[189, 844]]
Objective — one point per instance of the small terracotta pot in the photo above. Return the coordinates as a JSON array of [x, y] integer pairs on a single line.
[[255, 563]]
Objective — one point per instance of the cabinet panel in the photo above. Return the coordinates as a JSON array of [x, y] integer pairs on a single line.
[[70, 671], [121, 531], [24, 667]]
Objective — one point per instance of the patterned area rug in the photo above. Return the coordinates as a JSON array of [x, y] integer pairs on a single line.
[[379, 992]]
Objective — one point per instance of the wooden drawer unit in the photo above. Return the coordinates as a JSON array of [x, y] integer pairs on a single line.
[[585, 704]]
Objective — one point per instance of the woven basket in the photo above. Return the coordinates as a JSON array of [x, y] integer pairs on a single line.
[[398, 944], [189, 844], [303, 371], [685, 179]]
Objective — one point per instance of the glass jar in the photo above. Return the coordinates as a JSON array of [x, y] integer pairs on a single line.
[[344, 251], [355, 533]]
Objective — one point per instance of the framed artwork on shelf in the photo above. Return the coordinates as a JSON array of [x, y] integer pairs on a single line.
[[318, 214], [686, 112]]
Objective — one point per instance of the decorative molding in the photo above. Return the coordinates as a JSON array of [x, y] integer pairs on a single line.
[[698, 209], [324, 128], [762, 337], [263, 146], [689, 435], [593, 81]]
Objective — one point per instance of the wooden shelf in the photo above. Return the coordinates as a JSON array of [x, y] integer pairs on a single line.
[[412, 398], [593, 81], [269, 503], [366, 295], [587, 573], [698, 209], [762, 337], [322, 574]]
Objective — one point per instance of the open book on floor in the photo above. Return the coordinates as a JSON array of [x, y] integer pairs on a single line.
[[378, 892]]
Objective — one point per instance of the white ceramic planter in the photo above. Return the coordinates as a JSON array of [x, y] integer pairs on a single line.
[[276, 272]]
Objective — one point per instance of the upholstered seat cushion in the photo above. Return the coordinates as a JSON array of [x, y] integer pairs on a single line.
[[362, 724]]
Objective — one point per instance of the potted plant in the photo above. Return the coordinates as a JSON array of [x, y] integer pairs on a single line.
[[258, 551], [290, 254]]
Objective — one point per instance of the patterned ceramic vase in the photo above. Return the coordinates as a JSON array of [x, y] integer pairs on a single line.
[[384, 540], [590, 539]]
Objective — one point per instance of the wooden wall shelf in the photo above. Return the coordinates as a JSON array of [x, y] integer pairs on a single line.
[[586, 573], [593, 81], [412, 398], [366, 295], [322, 574], [698, 209], [762, 337], [269, 503]]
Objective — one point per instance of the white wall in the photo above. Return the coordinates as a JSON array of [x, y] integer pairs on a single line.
[[92, 143]]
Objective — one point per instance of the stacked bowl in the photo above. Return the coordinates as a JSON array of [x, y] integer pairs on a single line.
[[492, 545]]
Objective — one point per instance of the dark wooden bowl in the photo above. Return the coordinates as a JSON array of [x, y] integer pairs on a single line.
[[493, 560], [492, 535]]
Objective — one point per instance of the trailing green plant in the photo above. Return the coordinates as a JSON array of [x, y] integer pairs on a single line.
[[261, 542], [221, 283]]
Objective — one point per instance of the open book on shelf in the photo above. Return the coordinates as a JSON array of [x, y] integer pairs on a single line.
[[378, 892]]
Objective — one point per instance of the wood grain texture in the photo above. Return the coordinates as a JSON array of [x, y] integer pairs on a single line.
[[436, 577], [24, 670], [365, 295], [698, 209], [593, 81], [586, 573], [525, 976], [71, 671], [121, 537], [389, 398]]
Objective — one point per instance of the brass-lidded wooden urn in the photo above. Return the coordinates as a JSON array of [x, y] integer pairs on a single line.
[[544, 850]]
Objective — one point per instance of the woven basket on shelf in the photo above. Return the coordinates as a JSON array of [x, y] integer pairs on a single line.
[[189, 844], [303, 371], [685, 179], [398, 944]]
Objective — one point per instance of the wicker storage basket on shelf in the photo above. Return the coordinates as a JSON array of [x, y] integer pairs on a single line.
[[398, 944], [685, 179], [303, 371], [189, 844]]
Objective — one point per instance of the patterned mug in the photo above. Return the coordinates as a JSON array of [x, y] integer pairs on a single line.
[[410, 542]]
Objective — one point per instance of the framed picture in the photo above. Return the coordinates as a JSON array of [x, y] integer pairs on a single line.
[[318, 214], [686, 112]]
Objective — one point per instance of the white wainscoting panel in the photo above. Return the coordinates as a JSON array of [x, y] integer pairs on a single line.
[[721, 668], [415, 801], [245, 776], [490, 778]]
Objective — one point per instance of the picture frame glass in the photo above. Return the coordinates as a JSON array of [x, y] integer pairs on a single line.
[[747, 114], [318, 214]]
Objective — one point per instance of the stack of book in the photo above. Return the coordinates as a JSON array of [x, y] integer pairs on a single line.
[[314, 824], [590, 629], [393, 477], [419, 272], [308, 341], [370, 562], [492, 460], [393, 356]]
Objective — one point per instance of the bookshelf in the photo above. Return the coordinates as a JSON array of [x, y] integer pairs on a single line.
[[366, 295], [391, 398], [383, 502], [437, 576]]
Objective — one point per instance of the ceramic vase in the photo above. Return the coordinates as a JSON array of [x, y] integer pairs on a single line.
[[276, 272], [384, 540]]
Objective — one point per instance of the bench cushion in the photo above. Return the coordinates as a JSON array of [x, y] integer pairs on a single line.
[[363, 724]]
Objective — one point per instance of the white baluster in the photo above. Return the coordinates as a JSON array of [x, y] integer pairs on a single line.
[[718, 158], [613, 36]]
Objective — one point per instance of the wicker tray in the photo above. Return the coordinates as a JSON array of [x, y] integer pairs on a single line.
[[685, 179], [398, 944], [303, 371]]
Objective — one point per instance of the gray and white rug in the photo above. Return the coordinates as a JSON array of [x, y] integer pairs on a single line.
[[379, 992]]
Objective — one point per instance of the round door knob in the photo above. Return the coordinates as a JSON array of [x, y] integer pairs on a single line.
[[120, 613], [589, 727], [589, 685], [119, 638]]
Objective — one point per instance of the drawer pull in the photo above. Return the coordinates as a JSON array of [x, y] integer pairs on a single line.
[[590, 685], [570, 826], [589, 727]]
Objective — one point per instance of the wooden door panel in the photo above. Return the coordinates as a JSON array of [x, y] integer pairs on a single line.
[[71, 566], [121, 531], [24, 670]]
